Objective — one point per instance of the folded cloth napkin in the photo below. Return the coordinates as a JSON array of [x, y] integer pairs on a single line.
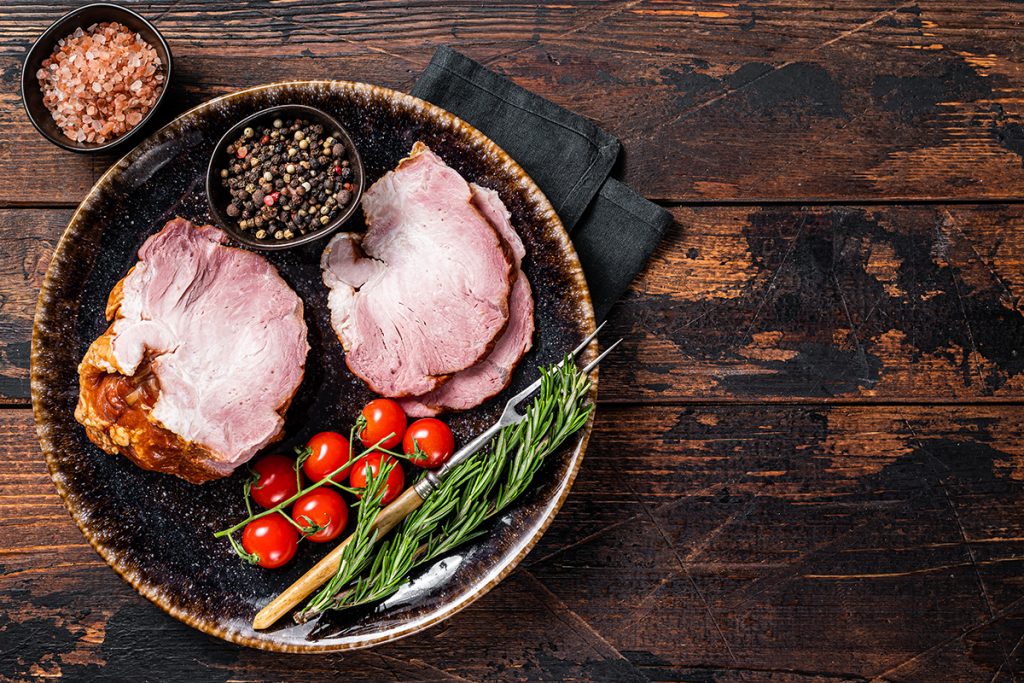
[[615, 230]]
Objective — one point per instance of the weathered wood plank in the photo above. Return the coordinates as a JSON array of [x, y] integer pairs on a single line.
[[920, 303], [27, 240], [720, 542], [867, 99], [844, 540], [917, 303]]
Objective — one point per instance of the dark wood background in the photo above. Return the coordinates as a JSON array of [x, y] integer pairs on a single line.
[[808, 463]]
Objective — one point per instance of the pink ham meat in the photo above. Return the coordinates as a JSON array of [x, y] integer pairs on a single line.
[[224, 337], [473, 386], [424, 293]]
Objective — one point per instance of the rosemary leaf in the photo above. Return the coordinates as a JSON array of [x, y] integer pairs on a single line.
[[475, 491]]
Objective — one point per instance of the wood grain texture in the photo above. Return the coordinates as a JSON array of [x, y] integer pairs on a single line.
[[863, 99], [900, 553], [809, 461], [917, 303], [864, 304]]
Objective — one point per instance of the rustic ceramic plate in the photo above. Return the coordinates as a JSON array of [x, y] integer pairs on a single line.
[[156, 530]]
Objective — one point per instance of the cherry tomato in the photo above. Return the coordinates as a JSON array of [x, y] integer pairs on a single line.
[[369, 465], [330, 451], [383, 416], [324, 507], [277, 481], [273, 539], [434, 439]]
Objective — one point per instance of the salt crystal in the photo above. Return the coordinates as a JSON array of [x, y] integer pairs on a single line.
[[100, 82]]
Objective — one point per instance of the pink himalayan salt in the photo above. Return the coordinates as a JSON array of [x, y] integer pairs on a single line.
[[100, 82]]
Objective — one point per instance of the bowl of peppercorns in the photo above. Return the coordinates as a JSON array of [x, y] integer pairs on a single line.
[[284, 176]]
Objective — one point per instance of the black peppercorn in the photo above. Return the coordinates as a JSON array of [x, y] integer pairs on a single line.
[[285, 178]]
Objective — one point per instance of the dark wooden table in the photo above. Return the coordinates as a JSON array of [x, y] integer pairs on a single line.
[[808, 463]]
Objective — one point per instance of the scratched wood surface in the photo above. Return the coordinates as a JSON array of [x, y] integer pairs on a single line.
[[715, 101], [808, 463]]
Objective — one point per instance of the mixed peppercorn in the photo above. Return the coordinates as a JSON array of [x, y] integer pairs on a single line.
[[288, 179]]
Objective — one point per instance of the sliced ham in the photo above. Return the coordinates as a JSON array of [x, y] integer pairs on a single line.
[[471, 387], [424, 293], [206, 350]]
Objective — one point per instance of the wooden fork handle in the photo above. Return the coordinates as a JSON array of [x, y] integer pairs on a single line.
[[387, 519]]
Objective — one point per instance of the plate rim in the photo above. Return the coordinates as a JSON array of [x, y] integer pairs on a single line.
[[153, 592]]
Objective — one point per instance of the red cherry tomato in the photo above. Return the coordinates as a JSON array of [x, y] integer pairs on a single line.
[[383, 416], [325, 508], [434, 439], [277, 481], [272, 539], [330, 451], [369, 465]]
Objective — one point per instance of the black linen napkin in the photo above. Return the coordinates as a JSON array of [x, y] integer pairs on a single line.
[[614, 229]]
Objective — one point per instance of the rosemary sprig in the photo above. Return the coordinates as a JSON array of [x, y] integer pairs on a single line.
[[357, 553], [475, 491]]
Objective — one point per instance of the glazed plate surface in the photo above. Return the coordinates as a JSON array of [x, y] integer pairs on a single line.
[[155, 530]]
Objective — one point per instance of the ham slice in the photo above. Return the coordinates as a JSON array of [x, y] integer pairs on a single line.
[[206, 350], [471, 387], [424, 293]]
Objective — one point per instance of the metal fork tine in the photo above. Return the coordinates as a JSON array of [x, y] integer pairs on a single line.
[[597, 360], [518, 398], [585, 342]]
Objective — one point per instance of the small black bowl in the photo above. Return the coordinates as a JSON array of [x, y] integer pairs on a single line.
[[219, 197], [83, 17]]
